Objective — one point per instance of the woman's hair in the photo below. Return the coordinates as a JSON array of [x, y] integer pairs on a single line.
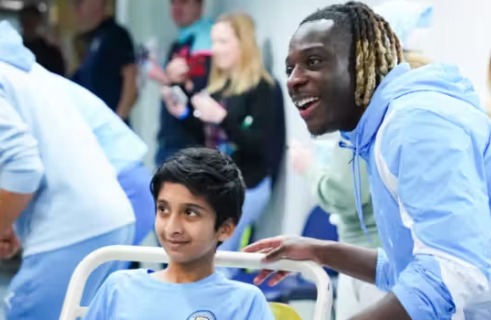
[[250, 69]]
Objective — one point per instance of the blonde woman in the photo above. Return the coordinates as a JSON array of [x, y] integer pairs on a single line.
[[235, 112]]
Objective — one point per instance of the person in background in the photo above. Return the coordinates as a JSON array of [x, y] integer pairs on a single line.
[[109, 66], [47, 54], [236, 112], [80, 46], [425, 139], [187, 66], [332, 181], [125, 151], [59, 195]]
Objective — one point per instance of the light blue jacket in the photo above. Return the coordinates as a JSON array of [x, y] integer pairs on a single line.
[[47, 148], [123, 148], [426, 141]]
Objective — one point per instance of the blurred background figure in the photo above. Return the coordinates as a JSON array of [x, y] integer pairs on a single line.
[[125, 151], [108, 68], [236, 112], [58, 187], [80, 44], [187, 66], [47, 53]]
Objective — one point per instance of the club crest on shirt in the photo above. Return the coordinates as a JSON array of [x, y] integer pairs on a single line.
[[202, 315]]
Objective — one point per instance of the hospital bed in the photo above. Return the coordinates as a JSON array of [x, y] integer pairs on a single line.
[[72, 309]]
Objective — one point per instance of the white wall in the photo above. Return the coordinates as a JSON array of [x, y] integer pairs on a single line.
[[460, 36]]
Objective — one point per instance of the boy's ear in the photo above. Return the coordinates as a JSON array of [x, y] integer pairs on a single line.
[[226, 230]]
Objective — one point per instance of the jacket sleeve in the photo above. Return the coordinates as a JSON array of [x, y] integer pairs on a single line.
[[439, 175], [21, 169], [193, 125], [200, 59], [250, 133], [384, 277]]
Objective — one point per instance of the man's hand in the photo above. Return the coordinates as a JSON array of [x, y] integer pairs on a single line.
[[177, 70], [283, 247], [9, 244]]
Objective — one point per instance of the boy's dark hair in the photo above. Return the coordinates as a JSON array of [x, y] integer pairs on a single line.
[[209, 174]]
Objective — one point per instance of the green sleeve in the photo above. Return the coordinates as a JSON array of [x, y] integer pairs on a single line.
[[332, 182]]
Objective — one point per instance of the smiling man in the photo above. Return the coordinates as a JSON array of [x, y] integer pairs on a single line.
[[425, 140]]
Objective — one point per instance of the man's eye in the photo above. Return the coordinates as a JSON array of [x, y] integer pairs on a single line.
[[313, 62], [289, 70]]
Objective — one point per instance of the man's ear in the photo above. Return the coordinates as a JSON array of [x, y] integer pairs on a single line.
[[226, 230]]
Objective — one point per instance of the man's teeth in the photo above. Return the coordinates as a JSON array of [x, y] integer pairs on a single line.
[[302, 104]]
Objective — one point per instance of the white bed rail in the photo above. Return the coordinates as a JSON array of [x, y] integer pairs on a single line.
[[72, 308]]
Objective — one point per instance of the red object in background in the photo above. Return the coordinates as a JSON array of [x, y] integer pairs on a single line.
[[197, 62]]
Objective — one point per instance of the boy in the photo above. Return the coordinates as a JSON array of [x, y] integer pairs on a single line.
[[199, 195]]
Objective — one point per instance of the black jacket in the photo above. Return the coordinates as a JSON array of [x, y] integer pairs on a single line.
[[248, 125]]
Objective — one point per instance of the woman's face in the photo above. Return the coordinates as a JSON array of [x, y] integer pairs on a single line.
[[225, 46]]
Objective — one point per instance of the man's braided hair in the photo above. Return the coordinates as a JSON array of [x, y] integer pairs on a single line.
[[376, 48]]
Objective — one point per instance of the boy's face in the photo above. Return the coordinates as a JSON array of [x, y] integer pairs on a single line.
[[185, 225]]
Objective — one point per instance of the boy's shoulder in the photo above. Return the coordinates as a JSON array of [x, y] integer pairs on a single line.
[[241, 287], [215, 284], [127, 276]]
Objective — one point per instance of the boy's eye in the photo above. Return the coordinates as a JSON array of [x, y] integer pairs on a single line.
[[191, 213], [162, 209]]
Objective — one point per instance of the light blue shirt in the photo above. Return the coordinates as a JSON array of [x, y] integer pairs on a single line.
[[426, 141], [47, 147], [201, 31], [123, 147], [136, 294]]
